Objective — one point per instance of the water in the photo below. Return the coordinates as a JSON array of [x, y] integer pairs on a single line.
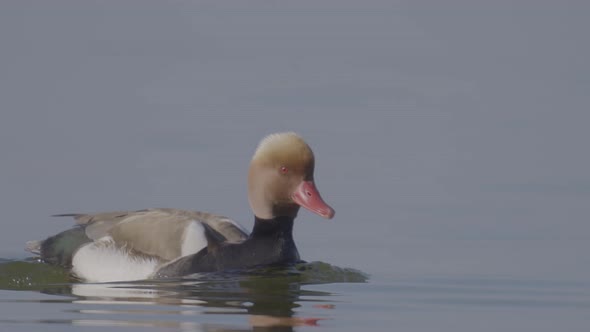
[[273, 297], [312, 295], [451, 139]]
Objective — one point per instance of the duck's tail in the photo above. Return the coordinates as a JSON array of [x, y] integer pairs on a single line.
[[60, 248], [34, 247]]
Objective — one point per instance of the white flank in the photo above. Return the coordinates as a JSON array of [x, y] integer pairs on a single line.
[[194, 239], [103, 261]]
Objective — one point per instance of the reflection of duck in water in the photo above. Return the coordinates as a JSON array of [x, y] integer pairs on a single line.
[[116, 246], [268, 299]]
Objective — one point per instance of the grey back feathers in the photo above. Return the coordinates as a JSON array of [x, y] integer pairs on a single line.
[[153, 232]]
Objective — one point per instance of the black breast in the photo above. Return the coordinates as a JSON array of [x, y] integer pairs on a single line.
[[271, 242]]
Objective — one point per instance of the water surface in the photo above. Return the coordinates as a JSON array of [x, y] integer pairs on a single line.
[[311, 295]]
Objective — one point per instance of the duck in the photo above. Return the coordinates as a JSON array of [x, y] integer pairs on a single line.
[[167, 243]]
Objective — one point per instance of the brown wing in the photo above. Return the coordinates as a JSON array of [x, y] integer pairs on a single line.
[[154, 232]]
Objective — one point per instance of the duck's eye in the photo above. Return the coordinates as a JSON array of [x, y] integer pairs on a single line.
[[284, 170]]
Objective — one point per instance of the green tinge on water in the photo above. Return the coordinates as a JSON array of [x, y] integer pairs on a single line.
[[32, 275], [35, 275]]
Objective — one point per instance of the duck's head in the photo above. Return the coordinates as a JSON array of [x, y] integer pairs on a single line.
[[280, 179]]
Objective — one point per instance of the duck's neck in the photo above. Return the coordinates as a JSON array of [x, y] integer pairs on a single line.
[[273, 240], [281, 227]]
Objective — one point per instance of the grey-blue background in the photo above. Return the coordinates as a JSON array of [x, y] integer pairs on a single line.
[[451, 136]]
